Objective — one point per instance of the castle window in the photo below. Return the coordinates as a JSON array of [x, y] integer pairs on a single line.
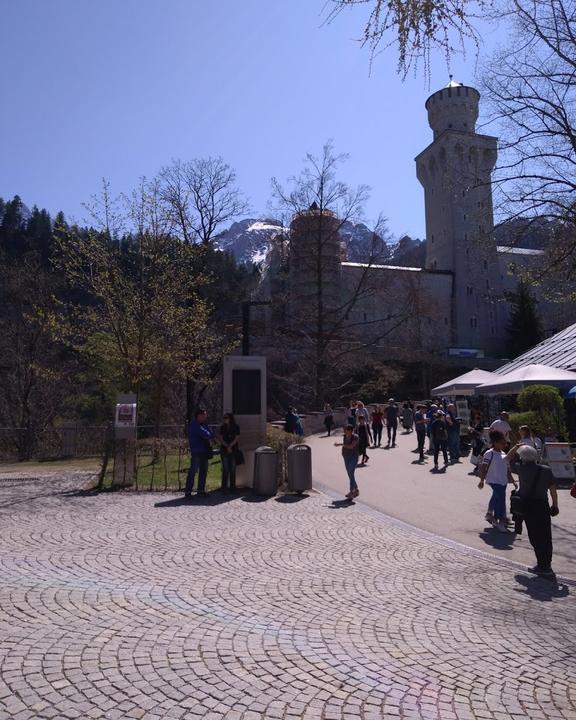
[[487, 284], [465, 237], [469, 290], [485, 264], [365, 317], [473, 322], [464, 216], [463, 193]]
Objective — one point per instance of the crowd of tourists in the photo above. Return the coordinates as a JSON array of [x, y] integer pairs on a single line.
[[495, 459]]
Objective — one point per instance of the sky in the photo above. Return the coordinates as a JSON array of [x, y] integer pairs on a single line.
[[116, 89]]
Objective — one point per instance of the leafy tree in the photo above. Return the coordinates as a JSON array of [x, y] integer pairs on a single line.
[[525, 325], [542, 408]]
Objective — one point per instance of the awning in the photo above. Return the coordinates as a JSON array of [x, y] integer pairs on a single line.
[[514, 381], [464, 384]]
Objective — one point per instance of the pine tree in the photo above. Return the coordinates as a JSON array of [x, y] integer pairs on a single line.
[[525, 325]]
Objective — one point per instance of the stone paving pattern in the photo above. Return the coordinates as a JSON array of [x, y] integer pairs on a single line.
[[139, 606]]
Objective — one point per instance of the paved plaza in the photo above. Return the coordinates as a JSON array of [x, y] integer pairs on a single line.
[[124, 605]]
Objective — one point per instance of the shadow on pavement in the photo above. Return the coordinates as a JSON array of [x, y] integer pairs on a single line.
[[339, 504], [438, 471], [291, 498], [251, 498], [216, 497], [541, 588], [501, 541]]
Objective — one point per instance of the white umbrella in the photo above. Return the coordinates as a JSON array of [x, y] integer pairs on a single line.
[[512, 382], [464, 384]]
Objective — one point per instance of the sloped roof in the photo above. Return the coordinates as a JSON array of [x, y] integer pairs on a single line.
[[558, 351], [514, 380], [464, 384]]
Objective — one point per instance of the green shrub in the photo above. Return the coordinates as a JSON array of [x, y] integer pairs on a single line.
[[544, 408], [279, 440]]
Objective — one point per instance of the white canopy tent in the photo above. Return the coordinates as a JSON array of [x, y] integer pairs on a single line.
[[514, 381], [464, 384]]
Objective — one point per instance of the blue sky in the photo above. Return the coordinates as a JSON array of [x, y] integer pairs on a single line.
[[117, 88]]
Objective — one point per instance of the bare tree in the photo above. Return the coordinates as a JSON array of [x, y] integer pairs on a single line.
[[416, 28], [200, 197], [331, 318], [531, 86]]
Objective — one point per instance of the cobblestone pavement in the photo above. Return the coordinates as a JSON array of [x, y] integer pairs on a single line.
[[138, 606]]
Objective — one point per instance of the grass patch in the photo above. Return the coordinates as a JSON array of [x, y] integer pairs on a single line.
[[168, 471], [32, 466]]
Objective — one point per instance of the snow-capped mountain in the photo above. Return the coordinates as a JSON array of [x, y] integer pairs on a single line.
[[249, 240]]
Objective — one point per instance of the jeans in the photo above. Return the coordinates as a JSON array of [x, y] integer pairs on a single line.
[[421, 437], [198, 464], [377, 432], [497, 502], [391, 431], [350, 461], [539, 527], [441, 445], [454, 444], [228, 469]]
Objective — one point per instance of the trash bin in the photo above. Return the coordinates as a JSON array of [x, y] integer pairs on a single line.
[[299, 467], [265, 471]]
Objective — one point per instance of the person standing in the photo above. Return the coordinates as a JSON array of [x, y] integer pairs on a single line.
[[535, 482], [430, 417], [453, 427], [199, 438], [328, 418], [502, 425], [350, 454], [495, 471], [407, 417], [420, 424], [377, 425], [439, 435], [391, 415], [352, 413], [228, 439], [362, 411], [364, 438]]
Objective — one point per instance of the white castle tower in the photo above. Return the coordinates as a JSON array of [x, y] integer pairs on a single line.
[[455, 171]]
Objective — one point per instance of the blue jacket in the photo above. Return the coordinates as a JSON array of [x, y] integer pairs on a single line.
[[199, 436]]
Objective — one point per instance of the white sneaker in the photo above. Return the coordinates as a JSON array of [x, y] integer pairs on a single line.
[[501, 527]]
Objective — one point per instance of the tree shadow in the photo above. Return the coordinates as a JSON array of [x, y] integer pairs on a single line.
[[498, 540], [539, 588]]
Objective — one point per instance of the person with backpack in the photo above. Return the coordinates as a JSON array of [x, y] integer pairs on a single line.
[[495, 471], [439, 437], [531, 506]]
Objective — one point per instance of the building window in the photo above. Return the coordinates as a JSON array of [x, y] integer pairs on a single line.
[[487, 284], [365, 317], [445, 321], [469, 290], [485, 264], [473, 322]]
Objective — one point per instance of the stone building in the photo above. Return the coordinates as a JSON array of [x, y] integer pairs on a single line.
[[453, 307]]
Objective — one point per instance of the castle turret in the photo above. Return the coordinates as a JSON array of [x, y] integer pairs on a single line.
[[315, 264], [455, 171]]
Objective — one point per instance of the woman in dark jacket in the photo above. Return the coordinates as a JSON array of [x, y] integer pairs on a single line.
[[228, 439]]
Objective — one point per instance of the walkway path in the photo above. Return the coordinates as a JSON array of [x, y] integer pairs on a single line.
[[125, 606], [447, 504]]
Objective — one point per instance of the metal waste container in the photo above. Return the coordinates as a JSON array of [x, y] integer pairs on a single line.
[[299, 467], [265, 471]]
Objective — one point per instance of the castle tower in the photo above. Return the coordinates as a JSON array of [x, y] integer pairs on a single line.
[[455, 171], [315, 265]]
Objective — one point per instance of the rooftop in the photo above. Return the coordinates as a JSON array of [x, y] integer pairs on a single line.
[[558, 351]]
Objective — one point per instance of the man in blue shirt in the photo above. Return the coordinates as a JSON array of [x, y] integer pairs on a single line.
[[200, 438]]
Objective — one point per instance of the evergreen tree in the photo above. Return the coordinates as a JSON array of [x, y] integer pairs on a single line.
[[525, 325]]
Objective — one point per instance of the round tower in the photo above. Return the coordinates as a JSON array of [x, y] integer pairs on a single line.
[[455, 107], [315, 264], [456, 173]]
